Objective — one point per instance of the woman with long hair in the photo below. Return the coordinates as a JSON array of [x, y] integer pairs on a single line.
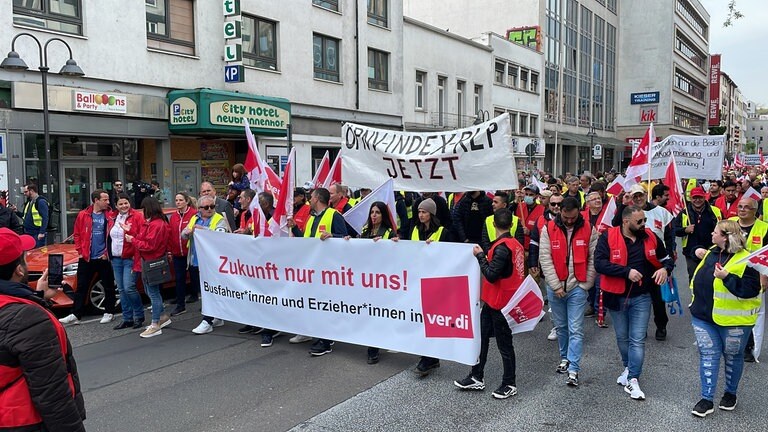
[[239, 180], [124, 221], [726, 300], [179, 250], [151, 243]]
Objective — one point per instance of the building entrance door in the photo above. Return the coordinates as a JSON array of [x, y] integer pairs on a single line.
[[187, 178], [79, 180]]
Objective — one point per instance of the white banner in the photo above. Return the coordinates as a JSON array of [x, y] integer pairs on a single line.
[[699, 157], [406, 296], [479, 157]]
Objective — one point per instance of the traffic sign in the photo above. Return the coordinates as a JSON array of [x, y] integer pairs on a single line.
[[530, 150], [2, 144], [597, 151], [234, 73]]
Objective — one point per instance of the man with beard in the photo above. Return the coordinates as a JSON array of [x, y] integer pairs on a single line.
[[695, 226], [728, 202]]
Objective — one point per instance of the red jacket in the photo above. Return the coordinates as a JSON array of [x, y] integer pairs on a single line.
[[152, 241], [497, 294], [135, 220], [176, 245], [562, 252], [529, 218], [82, 231], [731, 211]]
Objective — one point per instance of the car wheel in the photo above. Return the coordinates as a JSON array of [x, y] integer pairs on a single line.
[[97, 297]]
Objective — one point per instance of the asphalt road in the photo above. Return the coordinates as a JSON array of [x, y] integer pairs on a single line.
[[224, 381]]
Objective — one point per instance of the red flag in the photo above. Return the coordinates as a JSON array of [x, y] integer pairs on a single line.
[[273, 182], [257, 173], [616, 186], [758, 260], [752, 193], [334, 176], [608, 214], [641, 160], [676, 202], [737, 162], [278, 225], [258, 219], [322, 171]]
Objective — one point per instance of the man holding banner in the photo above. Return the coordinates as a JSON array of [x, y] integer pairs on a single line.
[[503, 271]]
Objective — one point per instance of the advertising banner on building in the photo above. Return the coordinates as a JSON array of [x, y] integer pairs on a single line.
[[405, 296], [714, 90], [479, 157], [699, 157]]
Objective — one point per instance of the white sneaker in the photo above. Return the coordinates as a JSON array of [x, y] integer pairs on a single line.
[[108, 317], [218, 322], [622, 379], [151, 331], [203, 328], [69, 319], [299, 339], [552, 334], [633, 388]]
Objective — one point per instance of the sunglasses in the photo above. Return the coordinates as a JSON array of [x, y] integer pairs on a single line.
[[557, 204], [208, 207], [641, 221]]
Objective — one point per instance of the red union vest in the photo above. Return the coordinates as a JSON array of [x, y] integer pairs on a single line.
[[340, 205], [529, 218], [497, 294], [617, 285], [16, 407], [561, 250]]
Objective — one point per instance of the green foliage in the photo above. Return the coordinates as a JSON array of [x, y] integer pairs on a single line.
[[717, 130], [733, 14]]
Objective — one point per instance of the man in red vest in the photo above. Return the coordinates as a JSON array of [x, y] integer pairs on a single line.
[[503, 271], [566, 254], [728, 201], [631, 261], [528, 211], [39, 385]]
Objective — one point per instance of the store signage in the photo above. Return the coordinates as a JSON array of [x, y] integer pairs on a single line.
[[99, 102], [233, 30], [597, 151], [259, 115], [644, 98], [231, 7], [233, 48], [183, 111], [714, 90], [234, 73], [649, 114], [2, 145]]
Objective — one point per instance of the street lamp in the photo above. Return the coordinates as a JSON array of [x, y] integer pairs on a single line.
[[592, 134], [481, 116], [14, 63]]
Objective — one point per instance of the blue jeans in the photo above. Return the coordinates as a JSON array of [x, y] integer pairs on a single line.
[[631, 326], [130, 299], [568, 316], [153, 291], [180, 271], [715, 341]]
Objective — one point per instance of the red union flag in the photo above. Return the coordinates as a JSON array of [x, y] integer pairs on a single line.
[[676, 202], [758, 260], [526, 307], [640, 163]]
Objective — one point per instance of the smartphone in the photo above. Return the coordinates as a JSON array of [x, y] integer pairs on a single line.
[[55, 270]]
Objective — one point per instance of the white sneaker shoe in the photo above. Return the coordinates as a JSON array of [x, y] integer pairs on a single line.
[[203, 328], [69, 319], [218, 322], [552, 334], [299, 339], [622, 379], [108, 317], [633, 388]]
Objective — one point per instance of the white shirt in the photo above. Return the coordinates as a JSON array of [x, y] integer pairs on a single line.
[[117, 234]]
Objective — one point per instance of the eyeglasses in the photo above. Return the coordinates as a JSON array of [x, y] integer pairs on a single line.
[[555, 204], [641, 221], [745, 207], [208, 207]]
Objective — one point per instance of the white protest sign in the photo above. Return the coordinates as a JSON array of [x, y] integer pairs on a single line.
[[699, 157], [406, 296], [479, 157]]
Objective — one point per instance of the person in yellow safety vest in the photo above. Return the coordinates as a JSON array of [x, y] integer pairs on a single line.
[[692, 183], [724, 308], [453, 199], [489, 235], [695, 226], [764, 194], [573, 190], [35, 215]]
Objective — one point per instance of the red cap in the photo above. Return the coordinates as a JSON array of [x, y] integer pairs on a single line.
[[698, 191], [13, 245]]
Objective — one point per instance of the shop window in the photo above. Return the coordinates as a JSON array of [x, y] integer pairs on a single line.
[[259, 42], [377, 12], [326, 57], [171, 25], [327, 4], [378, 70], [57, 15]]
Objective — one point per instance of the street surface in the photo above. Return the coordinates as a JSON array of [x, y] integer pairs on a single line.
[[224, 381]]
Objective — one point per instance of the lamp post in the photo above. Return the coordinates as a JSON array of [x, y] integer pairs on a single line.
[[481, 116], [592, 134], [14, 63]]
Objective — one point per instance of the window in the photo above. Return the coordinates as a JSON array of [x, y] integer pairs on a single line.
[[534, 82], [420, 78], [688, 120], [689, 86], [513, 122], [692, 17], [259, 42], [377, 12], [325, 53], [689, 51], [499, 75], [524, 124], [57, 15], [171, 25], [512, 75], [460, 85], [524, 79], [478, 98], [534, 125], [327, 4], [378, 70], [441, 100]]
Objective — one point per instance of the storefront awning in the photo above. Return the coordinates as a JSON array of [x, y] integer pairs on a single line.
[[572, 139], [217, 112]]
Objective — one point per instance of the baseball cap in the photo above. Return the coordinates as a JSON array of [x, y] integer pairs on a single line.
[[698, 191], [532, 187], [13, 245], [636, 188]]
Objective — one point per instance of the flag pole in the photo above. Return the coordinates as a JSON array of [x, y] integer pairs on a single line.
[[650, 162]]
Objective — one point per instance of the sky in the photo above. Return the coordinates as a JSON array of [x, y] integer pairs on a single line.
[[741, 45]]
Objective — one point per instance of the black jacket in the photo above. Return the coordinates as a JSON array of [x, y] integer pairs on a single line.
[[469, 217], [9, 220], [500, 266], [28, 339], [701, 237]]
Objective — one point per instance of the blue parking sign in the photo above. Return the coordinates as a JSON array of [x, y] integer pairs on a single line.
[[234, 73]]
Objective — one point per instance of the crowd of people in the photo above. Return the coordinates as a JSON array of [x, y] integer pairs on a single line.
[[587, 266]]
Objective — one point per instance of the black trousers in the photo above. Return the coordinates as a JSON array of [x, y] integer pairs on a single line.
[[86, 270], [493, 323]]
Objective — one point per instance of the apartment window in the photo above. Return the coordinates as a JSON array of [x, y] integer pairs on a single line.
[[325, 54], [513, 122], [688, 120], [512, 75], [692, 17], [524, 124], [378, 70], [441, 101], [259, 42], [478, 98], [499, 74], [689, 51], [327, 4], [534, 125], [534, 82], [612, 6], [377, 12], [171, 25], [421, 77], [460, 86], [689, 86], [524, 79], [57, 15]]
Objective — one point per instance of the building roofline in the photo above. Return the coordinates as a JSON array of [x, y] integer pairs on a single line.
[[454, 36]]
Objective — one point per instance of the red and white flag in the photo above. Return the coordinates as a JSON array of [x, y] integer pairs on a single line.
[[273, 182], [676, 202], [526, 307], [616, 186], [322, 171], [737, 162], [641, 160], [254, 165], [538, 183], [357, 216], [758, 260], [278, 225], [752, 193], [334, 176], [609, 213]]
